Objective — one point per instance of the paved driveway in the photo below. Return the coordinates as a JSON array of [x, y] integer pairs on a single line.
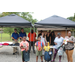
[[7, 56]]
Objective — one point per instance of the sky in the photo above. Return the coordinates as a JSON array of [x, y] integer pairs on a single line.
[[43, 15]]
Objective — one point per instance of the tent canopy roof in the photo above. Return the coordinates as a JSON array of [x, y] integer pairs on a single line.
[[55, 21], [14, 21]]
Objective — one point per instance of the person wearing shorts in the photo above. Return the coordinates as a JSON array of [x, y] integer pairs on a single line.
[[39, 49]]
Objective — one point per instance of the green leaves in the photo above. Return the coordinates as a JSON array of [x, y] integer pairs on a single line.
[[28, 16]]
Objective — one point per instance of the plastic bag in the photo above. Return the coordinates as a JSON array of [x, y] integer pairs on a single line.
[[60, 51]]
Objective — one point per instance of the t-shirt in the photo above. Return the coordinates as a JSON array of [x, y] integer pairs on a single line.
[[32, 36], [15, 35], [38, 44], [59, 42], [22, 34], [47, 48], [69, 45], [48, 38], [25, 44]]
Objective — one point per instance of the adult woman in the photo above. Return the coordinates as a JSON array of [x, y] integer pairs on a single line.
[[58, 42], [48, 37], [69, 47], [43, 39], [52, 38]]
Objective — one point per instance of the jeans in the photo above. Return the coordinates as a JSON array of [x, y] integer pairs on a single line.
[[30, 44], [25, 56]]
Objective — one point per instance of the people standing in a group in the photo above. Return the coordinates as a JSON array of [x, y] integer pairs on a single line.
[[39, 46], [52, 38], [32, 40], [22, 34], [69, 47], [15, 38], [58, 42], [24, 45]]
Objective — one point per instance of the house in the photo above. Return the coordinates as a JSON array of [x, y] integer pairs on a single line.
[[63, 31]]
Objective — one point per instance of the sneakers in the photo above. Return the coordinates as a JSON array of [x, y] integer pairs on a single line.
[[34, 52], [53, 61], [59, 60], [13, 53]]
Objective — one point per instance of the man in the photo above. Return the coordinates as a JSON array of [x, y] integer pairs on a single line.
[[22, 34], [15, 38], [32, 39]]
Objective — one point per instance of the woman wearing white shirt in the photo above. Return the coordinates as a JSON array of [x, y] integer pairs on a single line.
[[58, 42], [43, 40]]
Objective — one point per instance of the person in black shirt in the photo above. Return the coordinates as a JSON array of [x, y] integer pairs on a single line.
[[52, 38], [48, 37]]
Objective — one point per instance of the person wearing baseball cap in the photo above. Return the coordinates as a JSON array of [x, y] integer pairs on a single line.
[[15, 38], [58, 42]]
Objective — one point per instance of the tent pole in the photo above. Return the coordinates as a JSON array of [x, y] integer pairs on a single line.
[[73, 32], [37, 32], [1, 35], [30, 36], [34, 38], [34, 32]]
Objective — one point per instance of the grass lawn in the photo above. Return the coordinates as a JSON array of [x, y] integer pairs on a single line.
[[5, 37]]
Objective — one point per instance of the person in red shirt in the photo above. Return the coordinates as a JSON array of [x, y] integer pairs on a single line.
[[32, 40]]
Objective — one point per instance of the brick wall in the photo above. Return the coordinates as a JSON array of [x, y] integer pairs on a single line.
[[63, 32]]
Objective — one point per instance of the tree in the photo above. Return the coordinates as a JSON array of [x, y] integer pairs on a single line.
[[73, 19], [8, 13], [8, 30], [28, 16]]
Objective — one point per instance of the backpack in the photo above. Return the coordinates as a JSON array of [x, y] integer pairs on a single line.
[[41, 44], [47, 57]]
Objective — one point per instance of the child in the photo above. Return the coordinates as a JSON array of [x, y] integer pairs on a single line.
[[47, 52], [47, 48], [24, 45], [39, 46]]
